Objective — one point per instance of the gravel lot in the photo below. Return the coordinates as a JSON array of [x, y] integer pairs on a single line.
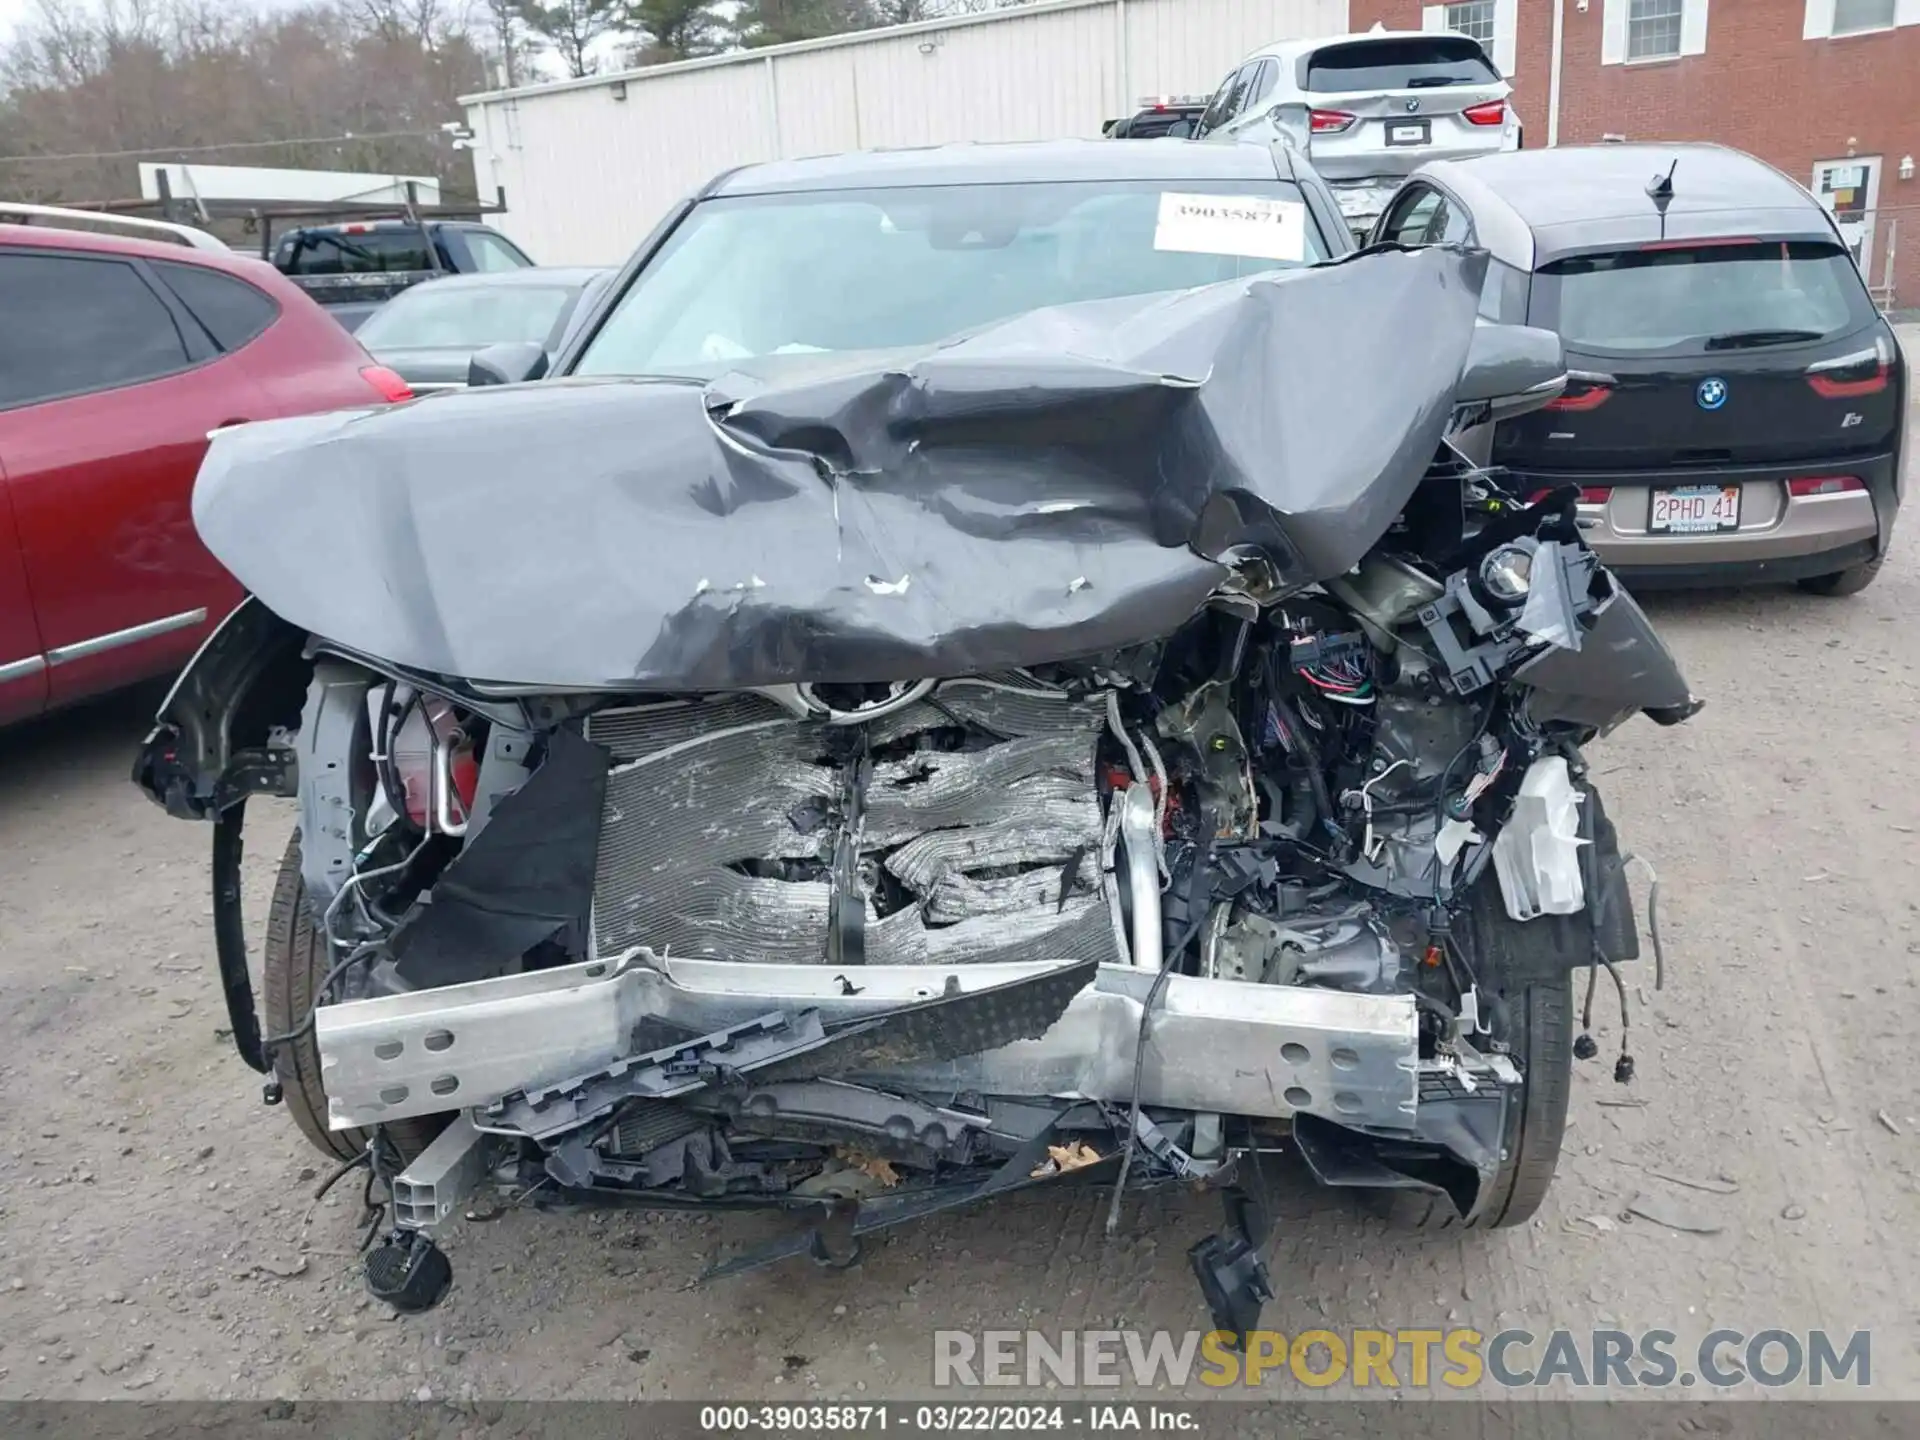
[[157, 1237]]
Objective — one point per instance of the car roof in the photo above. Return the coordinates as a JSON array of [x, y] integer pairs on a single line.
[[1001, 163], [52, 237], [362, 226], [1578, 197], [523, 275], [1294, 49]]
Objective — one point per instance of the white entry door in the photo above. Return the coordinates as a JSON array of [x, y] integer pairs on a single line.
[[1850, 189]]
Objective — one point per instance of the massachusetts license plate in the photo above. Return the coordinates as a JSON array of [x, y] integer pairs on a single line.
[[1695, 510], [1407, 132]]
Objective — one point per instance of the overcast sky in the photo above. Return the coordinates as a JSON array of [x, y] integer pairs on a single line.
[[10, 13]]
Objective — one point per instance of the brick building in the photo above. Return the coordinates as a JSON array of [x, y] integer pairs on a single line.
[[1828, 90]]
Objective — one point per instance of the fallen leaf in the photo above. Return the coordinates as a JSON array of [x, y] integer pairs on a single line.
[[1674, 1214], [1060, 1159], [872, 1165], [1718, 1187], [1602, 1223], [286, 1270]]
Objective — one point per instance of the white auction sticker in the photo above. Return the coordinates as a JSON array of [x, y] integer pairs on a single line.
[[1247, 225]]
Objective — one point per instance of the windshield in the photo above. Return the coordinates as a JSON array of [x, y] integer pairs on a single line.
[[883, 269], [464, 317], [493, 252], [1695, 298]]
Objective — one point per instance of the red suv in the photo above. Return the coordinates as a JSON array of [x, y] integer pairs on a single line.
[[118, 357]]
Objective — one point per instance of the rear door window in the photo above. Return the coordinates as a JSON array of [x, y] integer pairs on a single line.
[[1694, 299], [1425, 62], [231, 311], [1226, 101], [1418, 218], [1261, 86], [77, 325]]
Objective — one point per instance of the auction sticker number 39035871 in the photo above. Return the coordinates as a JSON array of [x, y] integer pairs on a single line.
[[1252, 226]]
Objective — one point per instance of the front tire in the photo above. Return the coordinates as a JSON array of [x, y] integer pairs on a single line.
[[1529, 965], [295, 963]]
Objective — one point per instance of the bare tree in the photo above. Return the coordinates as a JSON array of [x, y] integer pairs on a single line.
[[510, 48], [85, 93], [572, 27], [418, 20]]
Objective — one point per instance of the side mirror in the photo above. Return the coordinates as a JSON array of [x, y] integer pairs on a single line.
[[508, 363], [1512, 369]]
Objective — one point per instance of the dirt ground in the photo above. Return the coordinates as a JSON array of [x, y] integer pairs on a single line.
[[157, 1236]]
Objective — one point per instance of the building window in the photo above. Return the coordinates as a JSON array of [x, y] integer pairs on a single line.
[[1653, 29], [1474, 18], [1493, 23], [1850, 17]]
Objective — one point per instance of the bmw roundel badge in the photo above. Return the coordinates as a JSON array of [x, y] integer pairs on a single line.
[[1711, 393]]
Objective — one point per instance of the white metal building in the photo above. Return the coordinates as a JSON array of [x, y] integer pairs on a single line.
[[590, 165]]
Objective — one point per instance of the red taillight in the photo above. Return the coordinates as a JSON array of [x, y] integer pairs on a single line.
[[1835, 387], [1329, 122], [1493, 112], [1581, 396], [1803, 485], [1706, 244], [1589, 495], [1865, 372], [390, 386]]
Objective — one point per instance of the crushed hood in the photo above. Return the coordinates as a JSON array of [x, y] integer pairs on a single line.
[[1066, 482]]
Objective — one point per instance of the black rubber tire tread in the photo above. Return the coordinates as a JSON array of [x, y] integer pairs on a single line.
[[295, 963], [1850, 581], [1542, 1016]]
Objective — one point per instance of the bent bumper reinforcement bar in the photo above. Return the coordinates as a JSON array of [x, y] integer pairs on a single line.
[[1215, 1045]]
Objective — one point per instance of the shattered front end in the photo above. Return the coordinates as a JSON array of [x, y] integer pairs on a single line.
[[1060, 757]]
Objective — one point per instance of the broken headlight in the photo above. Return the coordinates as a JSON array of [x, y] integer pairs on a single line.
[[1508, 574]]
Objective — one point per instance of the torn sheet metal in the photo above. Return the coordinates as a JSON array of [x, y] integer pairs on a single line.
[[525, 878], [721, 818], [1066, 482]]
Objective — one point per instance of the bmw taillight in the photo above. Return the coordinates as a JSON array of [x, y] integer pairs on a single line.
[[1864, 372], [1589, 495], [1802, 486], [386, 383], [1582, 395], [1493, 112], [1329, 122]]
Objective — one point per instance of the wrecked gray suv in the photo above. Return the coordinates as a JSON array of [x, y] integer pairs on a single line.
[[1105, 745]]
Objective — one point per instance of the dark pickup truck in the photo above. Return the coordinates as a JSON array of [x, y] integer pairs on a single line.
[[354, 268]]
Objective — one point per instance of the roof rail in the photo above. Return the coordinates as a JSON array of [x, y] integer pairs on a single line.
[[85, 219]]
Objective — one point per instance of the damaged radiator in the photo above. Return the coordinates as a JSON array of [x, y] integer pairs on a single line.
[[723, 818]]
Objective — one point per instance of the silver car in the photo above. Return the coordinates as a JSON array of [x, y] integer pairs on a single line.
[[1368, 109]]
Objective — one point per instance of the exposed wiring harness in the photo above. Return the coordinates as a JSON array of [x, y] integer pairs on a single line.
[[1344, 679], [1584, 1047], [323, 991]]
